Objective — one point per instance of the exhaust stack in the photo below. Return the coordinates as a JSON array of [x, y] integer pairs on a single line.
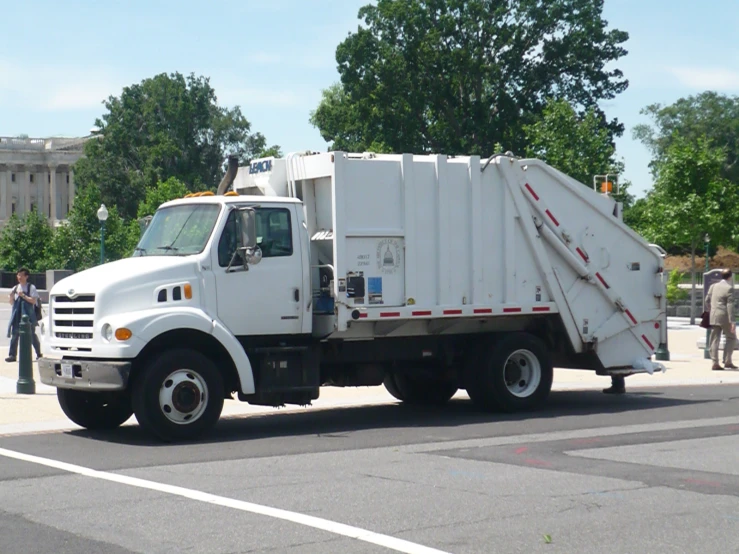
[[228, 178]]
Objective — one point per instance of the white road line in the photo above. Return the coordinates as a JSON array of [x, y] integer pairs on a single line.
[[392, 543]]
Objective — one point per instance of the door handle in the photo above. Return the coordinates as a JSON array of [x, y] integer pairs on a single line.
[[296, 295]]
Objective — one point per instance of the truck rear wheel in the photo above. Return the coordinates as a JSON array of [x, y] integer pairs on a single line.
[[415, 389], [512, 374], [178, 395], [95, 410]]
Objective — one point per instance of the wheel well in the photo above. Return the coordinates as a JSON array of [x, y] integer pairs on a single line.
[[197, 340]]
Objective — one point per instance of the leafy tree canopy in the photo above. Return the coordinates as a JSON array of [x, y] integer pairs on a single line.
[[690, 197], [577, 145], [76, 244], [708, 114], [24, 242], [459, 76], [166, 126]]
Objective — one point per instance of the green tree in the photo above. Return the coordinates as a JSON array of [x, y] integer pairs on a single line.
[[577, 145], [166, 126], [457, 76], [76, 244], [690, 198], [25, 241], [707, 115]]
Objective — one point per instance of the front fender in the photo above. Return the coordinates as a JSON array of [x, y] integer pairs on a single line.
[[147, 325]]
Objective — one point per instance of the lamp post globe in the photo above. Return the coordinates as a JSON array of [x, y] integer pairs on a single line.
[[102, 217]]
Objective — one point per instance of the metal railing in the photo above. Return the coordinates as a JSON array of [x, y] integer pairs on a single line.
[[43, 144]]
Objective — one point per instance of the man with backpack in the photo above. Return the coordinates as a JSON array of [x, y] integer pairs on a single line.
[[25, 300]]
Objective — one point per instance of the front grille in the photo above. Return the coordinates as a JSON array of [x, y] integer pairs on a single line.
[[72, 318]]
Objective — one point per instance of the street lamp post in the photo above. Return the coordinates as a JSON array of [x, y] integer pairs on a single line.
[[102, 216], [706, 351]]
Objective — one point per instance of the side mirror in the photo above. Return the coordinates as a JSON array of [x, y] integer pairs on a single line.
[[247, 248], [247, 228]]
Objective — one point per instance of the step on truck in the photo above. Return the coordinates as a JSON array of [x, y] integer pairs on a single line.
[[426, 273]]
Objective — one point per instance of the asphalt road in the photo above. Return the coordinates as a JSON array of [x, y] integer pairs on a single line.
[[654, 471]]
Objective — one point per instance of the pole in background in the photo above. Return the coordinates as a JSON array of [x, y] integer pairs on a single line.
[[25, 384], [706, 351], [102, 217]]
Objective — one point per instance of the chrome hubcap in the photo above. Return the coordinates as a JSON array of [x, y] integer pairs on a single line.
[[183, 396]]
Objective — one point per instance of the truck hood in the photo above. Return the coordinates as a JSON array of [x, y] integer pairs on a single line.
[[129, 284]]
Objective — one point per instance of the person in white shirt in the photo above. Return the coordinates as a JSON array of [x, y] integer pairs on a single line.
[[23, 297]]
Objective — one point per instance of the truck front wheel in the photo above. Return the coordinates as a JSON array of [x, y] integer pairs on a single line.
[[513, 374], [96, 411], [178, 395]]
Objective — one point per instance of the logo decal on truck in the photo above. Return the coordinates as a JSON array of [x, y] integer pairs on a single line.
[[388, 256]]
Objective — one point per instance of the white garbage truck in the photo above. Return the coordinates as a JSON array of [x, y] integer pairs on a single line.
[[426, 273]]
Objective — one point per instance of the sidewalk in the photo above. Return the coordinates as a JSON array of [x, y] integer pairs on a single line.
[[40, 412]]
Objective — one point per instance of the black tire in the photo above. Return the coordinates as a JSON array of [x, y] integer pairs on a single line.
[[392, 388], [95, 410], [195, 395], [493, 388], [419, 390]]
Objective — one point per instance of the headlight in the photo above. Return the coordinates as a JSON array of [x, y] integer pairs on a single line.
[[107, 332]]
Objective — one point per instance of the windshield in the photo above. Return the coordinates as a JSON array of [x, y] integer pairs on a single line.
[[178, 230]]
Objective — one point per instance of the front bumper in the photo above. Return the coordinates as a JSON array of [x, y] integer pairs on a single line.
[[92, 375]]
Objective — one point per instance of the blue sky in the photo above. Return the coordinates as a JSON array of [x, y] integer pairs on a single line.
[[59, 60]]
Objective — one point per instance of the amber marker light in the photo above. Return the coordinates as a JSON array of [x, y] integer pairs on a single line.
[[123, 333], [188, 290]]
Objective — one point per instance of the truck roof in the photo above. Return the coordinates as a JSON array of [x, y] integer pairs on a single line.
[[231, 200]]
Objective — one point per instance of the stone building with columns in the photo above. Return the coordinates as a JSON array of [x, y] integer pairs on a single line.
[[37, 173]]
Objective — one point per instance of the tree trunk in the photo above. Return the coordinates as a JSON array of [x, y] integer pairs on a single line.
[[692, 285]]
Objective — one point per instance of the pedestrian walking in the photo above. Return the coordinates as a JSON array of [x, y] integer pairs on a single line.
[[24, 299], [719, 302]]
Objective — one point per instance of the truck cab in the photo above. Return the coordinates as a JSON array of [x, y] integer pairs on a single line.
[[193, 286]]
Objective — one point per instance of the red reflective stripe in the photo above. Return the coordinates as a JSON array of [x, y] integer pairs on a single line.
[[536, 197], [361, 316], [602, 280], [554, 219], [647, 341], [628, 313], [510, 310], [483, 310], [428, 312], [541, 308], [390, 314], [582, 254], [452, 312]]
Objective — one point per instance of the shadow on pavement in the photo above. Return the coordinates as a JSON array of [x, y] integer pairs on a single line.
[[565, 410]]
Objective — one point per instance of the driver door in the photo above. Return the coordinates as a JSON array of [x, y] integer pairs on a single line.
[[266, 299]]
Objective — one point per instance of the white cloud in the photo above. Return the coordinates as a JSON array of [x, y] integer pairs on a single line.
[[707, 78], [264, 58], [56, 88]]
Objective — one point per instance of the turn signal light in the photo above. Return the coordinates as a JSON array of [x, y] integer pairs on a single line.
[[123, 333], [188, 290]]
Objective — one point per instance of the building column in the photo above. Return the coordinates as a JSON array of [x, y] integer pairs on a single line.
[[38, 182], [26, 192], [43, 193], [52, 193], [3, 192], [71, 188], [8, 193]]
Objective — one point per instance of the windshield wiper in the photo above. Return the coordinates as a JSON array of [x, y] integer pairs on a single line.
[[139, 249], [167, 247]]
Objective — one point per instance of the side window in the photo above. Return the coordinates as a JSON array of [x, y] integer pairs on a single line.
[[274, 235], [274, 232], [228, 243]]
